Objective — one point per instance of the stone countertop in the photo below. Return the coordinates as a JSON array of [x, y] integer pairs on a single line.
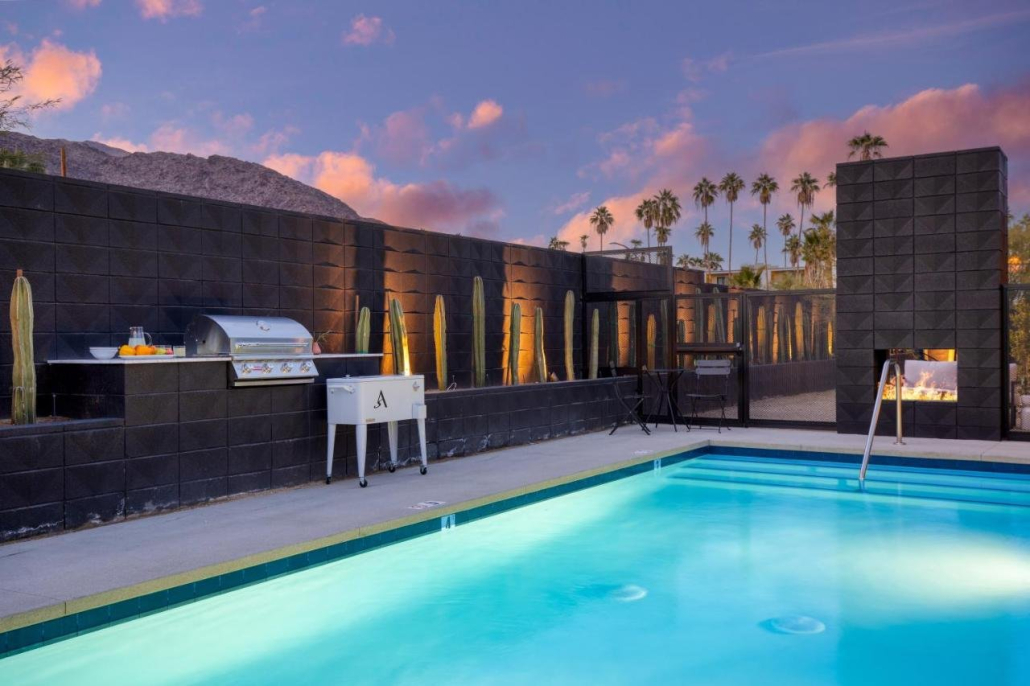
[[171, 359]]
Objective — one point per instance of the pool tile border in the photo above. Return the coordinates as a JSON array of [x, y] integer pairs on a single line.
[[73, 618]]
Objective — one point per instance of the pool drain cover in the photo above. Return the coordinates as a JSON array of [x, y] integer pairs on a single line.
[[794, 624], [622, 593]]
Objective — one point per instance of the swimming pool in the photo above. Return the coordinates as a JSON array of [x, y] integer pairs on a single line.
[[721, 569]]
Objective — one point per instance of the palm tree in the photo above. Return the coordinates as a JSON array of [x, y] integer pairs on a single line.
[[647, 213], [731, 186], [601, 220], [583, 241], [748, 276], [831, 180], [667, 213], [683, 260], [786, 226], [713, 262], [636, 245], [804, 188], [819, 250], [704, 234], [705, 193], [792, 249], [557, 244], [757, 238], [764, 187], [867, 146]]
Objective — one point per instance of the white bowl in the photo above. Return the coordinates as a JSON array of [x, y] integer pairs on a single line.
[[103, 353]]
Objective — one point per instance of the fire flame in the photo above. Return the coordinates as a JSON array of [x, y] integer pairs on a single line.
[[926, 388]]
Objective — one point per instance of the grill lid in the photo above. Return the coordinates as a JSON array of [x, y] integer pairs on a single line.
[[222, 334]]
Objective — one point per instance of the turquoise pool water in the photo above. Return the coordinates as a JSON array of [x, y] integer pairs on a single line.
[[719, 570]]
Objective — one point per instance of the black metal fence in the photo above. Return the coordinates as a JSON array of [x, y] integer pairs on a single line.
[[1017, 341]]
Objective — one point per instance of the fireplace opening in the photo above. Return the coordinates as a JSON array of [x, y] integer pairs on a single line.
[[928, 375]]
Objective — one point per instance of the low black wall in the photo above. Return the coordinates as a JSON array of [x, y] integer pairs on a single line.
[[183, 437]]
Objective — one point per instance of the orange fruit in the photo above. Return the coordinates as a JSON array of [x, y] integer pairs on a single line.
[[126, 350], [142, 350]]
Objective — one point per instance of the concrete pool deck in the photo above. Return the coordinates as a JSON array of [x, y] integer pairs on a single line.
[[50, 577]]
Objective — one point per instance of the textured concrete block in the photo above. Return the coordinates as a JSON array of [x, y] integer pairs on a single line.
[[893, 169]]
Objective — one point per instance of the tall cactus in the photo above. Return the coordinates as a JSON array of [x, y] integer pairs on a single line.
[[362, 331], [595, 330], [681, 331], [632, 334], [613, 336], [539, 356], [23, 378], [665, 331], [652, 341], [399, 337], [440, 341], [570, 304], [514, 343], [478, 334]]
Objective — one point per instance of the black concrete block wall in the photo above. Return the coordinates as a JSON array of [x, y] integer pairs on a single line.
[[920, 261], [103, 258]]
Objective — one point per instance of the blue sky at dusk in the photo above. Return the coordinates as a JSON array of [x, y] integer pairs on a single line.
[[513, 120]]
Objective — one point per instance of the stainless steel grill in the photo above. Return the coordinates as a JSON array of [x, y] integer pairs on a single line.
[[263, 351]]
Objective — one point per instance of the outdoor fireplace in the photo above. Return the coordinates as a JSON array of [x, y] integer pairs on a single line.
[[927, 375], [921, 258]]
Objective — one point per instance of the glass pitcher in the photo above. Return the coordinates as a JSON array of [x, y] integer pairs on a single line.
[[138, 337]]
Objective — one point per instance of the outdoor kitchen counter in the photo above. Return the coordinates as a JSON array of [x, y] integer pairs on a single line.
[[168, 359]]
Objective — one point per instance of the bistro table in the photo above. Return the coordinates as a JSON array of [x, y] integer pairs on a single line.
[[665, 385]]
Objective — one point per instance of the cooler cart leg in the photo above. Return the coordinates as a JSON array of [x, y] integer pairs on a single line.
[[422, 444], [331, 435], [420, 417], [391, 432], [360, 438]]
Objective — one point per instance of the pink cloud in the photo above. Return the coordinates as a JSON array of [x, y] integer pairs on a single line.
[[604, 88], [164, 10], [438, 205], [173, 138], [574, 202], [53, 71], [82, 4], [121, 143], [695, 70], [485, 113], [234, 126], [404, 137], [368, 30], [931, 120]]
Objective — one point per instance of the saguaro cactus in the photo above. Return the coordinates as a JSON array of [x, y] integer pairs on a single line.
[[440, 341], [23, 378], [613, 336], [595, 330], [539, 357], [632, 335], [362, 330], [399, 337], [652, 340], [478, 334], [514, 341], [570, 304]]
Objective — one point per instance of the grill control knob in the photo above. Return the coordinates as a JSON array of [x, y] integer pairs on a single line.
[[266, 368], [246, 368], [287, 368], [305, 367]]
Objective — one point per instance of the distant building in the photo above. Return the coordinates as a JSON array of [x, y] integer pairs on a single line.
[[723, 276]]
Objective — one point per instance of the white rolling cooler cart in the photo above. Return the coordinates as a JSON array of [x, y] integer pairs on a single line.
[[364, 400]]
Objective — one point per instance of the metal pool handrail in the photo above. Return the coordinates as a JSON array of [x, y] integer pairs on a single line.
[[884, 376]]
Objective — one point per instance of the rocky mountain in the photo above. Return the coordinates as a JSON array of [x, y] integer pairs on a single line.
[[215, 177]]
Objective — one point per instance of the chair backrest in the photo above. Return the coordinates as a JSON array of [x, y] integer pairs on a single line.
[[713, 367]]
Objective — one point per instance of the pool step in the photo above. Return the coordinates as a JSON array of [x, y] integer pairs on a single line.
[[891, 481]]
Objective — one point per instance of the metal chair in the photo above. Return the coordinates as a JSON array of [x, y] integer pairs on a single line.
[[711, 384], [631, 404]]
